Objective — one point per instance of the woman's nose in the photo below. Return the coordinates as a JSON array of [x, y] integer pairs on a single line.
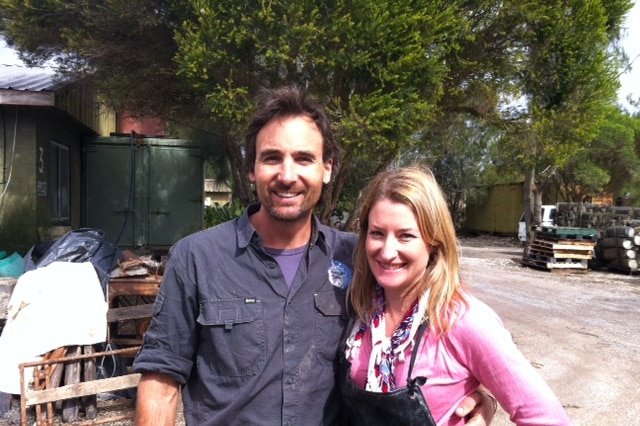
[[389, 248]]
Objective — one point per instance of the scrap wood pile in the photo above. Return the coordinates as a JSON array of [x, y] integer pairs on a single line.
[[46, 392], [563, 248], [133, 265], [69, 379]]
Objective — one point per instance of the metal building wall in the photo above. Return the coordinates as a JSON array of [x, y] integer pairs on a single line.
[[498, 213]]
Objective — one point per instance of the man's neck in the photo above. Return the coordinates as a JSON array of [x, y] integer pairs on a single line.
[[277, 234]]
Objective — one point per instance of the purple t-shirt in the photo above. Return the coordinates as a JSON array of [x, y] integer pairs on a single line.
[[289, 260]]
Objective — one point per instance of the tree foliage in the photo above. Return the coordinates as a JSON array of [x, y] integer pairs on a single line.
[[378, 66], [610, 164], [568, 75], [425, 79]]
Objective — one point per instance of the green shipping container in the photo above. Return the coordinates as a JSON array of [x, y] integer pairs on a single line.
[[143, 192]]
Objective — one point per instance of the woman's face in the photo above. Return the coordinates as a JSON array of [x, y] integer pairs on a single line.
[[397, 253]]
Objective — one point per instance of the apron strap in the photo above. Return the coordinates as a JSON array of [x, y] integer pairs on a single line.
[[420, 380]]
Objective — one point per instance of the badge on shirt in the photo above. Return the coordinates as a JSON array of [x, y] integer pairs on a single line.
[[339, 274]]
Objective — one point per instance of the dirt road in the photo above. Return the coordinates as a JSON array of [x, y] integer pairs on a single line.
[[581, 330]]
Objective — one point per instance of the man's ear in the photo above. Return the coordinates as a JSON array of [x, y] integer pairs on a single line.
[[326, 173]]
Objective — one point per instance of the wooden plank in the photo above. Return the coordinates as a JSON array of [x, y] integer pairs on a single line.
[[554, 265], [567, 265], [129, 312], [554, 259], [82, 389], [133, 287], [89, 374], [563, 254], [126, 341], [555, 242], [71, 407], [570, 255], [29, 98]]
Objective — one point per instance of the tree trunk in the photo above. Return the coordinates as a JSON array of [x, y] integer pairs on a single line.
[[527, 200], [241, 185]]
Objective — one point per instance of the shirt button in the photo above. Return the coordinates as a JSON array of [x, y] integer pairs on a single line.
[[289, 339], [290, 380]]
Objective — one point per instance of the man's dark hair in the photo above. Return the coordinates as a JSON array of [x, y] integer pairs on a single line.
[[289, 101]]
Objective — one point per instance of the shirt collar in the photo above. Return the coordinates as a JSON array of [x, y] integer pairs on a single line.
[[247, 234]]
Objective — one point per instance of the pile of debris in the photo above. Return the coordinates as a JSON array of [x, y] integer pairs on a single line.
[[63, 379], [133, 265]]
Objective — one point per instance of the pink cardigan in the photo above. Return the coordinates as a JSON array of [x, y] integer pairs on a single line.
[[478, 349]]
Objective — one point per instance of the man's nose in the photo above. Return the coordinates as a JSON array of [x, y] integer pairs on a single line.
[[288, 171]]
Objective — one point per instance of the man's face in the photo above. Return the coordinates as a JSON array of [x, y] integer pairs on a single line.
[[289, 172]]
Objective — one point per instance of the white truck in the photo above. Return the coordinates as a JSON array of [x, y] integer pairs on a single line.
[[548, 214]]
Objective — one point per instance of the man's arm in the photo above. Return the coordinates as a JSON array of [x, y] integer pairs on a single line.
[[157, 400], [479, 408]]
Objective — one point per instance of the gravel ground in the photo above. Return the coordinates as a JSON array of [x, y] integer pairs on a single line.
[[580, 329]]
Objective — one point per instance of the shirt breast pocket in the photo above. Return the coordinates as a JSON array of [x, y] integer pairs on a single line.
[[233, 336], [331, 322]]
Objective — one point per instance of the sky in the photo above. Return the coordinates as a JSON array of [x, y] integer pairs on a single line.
[[629, 80]]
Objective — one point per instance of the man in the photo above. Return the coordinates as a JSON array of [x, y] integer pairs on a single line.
[[250, 313]]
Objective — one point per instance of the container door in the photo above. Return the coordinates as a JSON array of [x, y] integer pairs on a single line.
[[176, 185], [109, 180]]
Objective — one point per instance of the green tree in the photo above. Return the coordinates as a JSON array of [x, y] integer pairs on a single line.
[[378, 66], [568, 74], [610, 164], [392, 74]]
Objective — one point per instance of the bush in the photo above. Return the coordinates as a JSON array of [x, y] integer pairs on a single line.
[[217, 214]]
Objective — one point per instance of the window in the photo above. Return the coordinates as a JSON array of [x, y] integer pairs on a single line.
[[59, 182]]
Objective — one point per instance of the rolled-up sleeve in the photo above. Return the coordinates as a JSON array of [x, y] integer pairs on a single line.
[[170, 343]]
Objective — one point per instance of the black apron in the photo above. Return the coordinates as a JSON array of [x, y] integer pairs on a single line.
[[404, 406]]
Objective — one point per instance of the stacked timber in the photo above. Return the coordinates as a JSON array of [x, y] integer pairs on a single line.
[[561, 248], [619, 249]]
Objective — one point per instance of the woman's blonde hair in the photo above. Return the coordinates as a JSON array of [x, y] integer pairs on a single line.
[[415, 187]]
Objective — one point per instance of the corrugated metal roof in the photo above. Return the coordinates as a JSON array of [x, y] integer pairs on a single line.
[[18, 77]]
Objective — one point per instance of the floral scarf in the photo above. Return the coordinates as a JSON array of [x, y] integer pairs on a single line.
[[385, 352]]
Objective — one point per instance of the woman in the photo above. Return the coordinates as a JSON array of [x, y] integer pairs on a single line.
[[424, 337]]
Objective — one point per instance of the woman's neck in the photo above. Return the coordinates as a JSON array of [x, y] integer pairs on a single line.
[[395, 309]]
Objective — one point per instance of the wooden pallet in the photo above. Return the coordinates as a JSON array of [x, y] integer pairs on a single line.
[[567, 233], [554, 264], [561, 248]]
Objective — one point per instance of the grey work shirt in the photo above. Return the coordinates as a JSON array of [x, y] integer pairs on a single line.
[[245, 347]]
